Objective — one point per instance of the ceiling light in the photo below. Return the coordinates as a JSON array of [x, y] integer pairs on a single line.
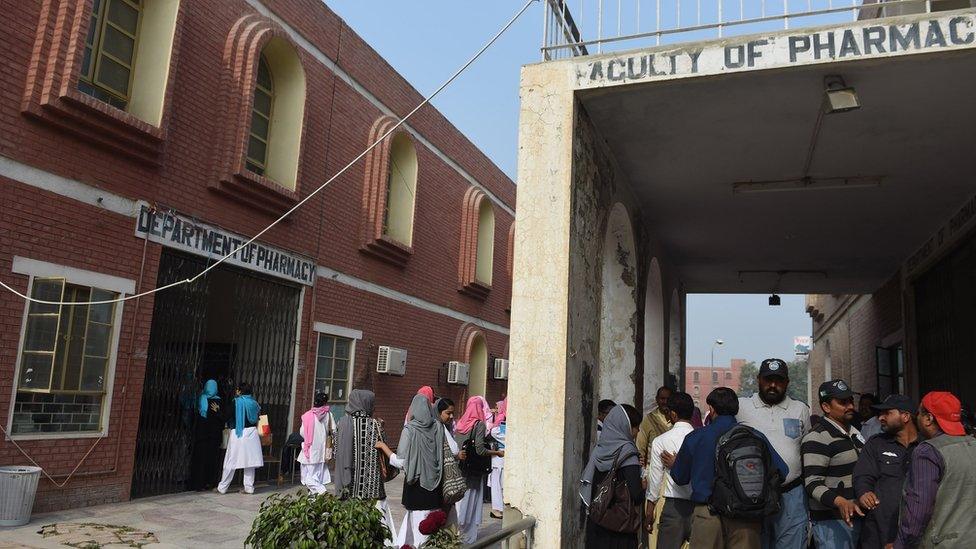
[[838, 96], [807, 184], [774, 300]]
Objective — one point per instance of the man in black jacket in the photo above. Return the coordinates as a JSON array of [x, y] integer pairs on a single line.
[[881, 470]]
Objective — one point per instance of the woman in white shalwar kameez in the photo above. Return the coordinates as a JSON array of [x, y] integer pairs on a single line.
[[318, 427], [244, 444], [420, 454], [473, 426]]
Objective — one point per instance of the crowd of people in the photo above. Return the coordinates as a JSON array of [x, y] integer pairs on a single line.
[[761, 471]]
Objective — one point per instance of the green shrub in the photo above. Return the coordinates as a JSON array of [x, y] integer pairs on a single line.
[[304, 521]]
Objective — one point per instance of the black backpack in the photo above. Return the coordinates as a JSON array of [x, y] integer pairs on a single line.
[[747, 484]]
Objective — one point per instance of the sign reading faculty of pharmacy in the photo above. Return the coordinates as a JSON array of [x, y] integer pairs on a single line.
[[801, 48], [176, 231]]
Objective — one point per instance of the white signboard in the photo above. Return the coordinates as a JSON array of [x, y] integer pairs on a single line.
[[802, 346]]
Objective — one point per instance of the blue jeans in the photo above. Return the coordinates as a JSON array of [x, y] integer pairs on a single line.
[[788, 528], [836, 534]]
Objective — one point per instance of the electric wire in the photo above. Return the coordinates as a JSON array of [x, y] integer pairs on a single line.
[[302, 202]]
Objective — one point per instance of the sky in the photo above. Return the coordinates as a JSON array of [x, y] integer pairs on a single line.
[[427, 40]]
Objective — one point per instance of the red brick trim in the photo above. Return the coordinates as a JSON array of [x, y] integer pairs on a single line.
[[51, 91], [243, 46], [468, 263], [374, 242], [463, 342], [511, 250]]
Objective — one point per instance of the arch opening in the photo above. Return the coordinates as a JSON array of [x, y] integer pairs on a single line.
[[618, 310]]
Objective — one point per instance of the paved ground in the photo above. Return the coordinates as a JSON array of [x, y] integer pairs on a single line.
[[189, 519]]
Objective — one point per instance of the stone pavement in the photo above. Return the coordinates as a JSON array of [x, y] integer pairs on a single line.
[[188, 519]]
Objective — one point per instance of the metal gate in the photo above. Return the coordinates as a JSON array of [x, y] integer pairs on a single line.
[[163, 444], [945, 298], [265, 315]]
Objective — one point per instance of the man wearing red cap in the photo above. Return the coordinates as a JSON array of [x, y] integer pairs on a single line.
[[941, 490]]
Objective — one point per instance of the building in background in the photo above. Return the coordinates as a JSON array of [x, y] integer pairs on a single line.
[[140, 142], [700, 380]]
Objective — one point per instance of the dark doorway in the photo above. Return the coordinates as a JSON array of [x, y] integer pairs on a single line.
[[945, 298], [231, 326]]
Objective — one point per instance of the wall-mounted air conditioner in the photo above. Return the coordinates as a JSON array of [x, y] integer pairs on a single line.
[[391, 361], [501, 368], [457, 373]]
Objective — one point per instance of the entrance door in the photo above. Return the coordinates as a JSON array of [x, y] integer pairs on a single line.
[[230, 326]]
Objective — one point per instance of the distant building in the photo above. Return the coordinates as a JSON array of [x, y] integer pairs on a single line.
[[700, 380]]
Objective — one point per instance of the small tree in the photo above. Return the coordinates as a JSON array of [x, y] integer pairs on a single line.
[[306, 521]]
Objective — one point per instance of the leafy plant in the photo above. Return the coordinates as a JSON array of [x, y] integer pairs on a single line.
[[305, 521], [445, 538]]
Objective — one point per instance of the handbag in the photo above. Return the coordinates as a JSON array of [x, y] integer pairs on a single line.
[[264, 430], [611, 506], [475, 465], [453, 485]]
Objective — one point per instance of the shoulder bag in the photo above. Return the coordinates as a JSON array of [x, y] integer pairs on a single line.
[[611, 506], [473, 464], [453, 485]]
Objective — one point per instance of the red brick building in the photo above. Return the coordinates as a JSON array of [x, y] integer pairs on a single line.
[[140, 141], [700, 380]]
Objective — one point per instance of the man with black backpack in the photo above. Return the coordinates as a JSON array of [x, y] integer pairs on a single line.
[[735, 475]]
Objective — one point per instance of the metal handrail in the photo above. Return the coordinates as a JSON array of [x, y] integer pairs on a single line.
[[526, 525]]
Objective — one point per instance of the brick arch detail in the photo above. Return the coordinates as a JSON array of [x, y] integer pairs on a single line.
[[468, 258], [374, 242], [464, 340], [245, 41]]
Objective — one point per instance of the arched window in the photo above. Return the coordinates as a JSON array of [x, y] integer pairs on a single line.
[[401, 188], [257, 143], [696, 377], [478, 362], [486, 243], [277, 114]]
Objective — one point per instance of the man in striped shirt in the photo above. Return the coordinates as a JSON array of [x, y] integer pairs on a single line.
[[829, 452]]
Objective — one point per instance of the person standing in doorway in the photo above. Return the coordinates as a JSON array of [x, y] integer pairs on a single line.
[[830, 451], [358, 464], [675, 523], [941, 489], [696, 465], [498, 461], [244, 443], [616, 445], [880, 472], [420, 455], [318, 429], [602, 409], [784, 421], [207, 435], [470, 433], [655, 423]]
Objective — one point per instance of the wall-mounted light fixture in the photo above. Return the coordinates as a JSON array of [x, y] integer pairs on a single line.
[[838, 96], [774, 300]]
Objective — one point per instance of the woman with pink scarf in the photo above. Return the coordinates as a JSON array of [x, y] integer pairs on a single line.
[[428, 394], [470, 433], [318, 427]]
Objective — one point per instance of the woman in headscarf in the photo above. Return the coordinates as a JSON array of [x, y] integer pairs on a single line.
[[244, 443], [619, 431], [420, 454], [498, 462], [207, 434], [318, 429], [359, 473], [428, 393], [472, 429]]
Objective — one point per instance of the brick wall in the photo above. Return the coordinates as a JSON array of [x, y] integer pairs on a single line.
[[179, 167]]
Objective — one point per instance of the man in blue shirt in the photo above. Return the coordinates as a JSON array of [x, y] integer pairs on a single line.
[[695, 464]]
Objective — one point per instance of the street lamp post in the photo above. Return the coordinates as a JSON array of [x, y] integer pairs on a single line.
[[711, 370]]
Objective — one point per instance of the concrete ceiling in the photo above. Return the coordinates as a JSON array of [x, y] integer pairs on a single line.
[[682, 144]]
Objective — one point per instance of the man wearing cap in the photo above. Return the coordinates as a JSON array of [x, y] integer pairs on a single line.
[[880, 472], [784, 421], [829, 452], [941, 491]]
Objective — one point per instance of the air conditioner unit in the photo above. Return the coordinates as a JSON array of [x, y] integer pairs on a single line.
[[501, 368], [457, 373], [391, 361]]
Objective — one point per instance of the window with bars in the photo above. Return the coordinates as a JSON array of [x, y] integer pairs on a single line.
[[64, 359], [714, 377], [257, 143], [890, 363], [110, 49], [332, 367]]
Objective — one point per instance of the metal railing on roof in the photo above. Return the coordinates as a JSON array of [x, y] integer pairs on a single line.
[[575, 28]]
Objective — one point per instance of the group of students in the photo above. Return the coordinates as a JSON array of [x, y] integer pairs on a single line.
[[430, 439], [762, 472]]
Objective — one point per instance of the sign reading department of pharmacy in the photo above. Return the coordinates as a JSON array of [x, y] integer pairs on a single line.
[[180, 232], [865, 40]]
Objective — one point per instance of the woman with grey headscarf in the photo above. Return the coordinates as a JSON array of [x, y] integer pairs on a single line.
[[616, 442], [420, 454], [358, 471]]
